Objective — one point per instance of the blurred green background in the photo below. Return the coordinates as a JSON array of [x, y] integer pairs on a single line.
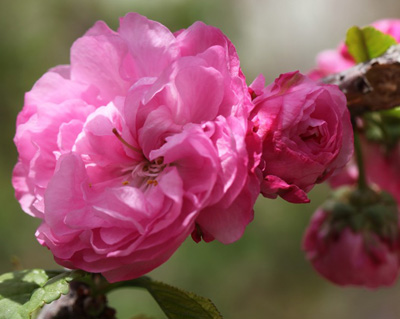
[[263, 275]]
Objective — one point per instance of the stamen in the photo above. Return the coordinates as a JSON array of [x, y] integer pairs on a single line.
[[155, 167], [152, 182], [125, 183], [114, 130]]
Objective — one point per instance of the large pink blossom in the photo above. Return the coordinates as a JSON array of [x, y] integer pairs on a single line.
[[137, 143], [348, 257], [334, 61], [305, 132]]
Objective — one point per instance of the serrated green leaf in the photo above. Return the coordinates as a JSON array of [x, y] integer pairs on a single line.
[[383, 127], [180, 304], [23, 292], [367, 43], [176, 303]]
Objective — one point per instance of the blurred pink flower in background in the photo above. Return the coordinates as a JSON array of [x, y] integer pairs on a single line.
[[137, 143], [383, 168], [305, 131]]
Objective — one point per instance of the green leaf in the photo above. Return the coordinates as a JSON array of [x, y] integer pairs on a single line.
[[377, 41], [394, 112], [176, 303], [356, 44], [383, 127], [367, 43], [23, 292], [180, 304]]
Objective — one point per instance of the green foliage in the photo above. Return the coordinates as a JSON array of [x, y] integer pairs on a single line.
[[364, 210], [180, 304], [395, 112], [367, 43], [383, 127], [176, 303], [24, 292]]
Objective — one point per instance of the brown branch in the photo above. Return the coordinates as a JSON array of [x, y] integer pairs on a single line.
[[373, 85]]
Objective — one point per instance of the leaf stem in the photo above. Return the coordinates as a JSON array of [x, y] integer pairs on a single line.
[[362, 181]]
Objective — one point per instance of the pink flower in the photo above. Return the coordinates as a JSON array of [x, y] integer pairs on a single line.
[[347, 176], [332, 61], [335, 61], [350, 258], [305, 131], [137, 143], [382, 167]]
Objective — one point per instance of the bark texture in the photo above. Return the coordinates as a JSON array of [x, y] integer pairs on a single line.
[[373, 85]]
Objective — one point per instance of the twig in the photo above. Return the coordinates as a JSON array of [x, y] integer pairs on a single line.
[[373, 85]]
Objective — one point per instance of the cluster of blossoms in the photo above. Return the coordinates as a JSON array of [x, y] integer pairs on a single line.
[[363, 250], [149, 136]]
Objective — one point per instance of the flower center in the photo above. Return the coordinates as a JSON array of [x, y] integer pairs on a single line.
[[145, 172], [312, 133]]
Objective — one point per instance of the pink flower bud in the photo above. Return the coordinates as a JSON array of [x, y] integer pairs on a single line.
[[354, 247]]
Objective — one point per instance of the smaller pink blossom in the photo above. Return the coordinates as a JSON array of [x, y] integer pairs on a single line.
[[350, 258], [305, 131]]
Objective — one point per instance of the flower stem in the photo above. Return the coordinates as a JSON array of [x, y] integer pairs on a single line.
[[362, 181]]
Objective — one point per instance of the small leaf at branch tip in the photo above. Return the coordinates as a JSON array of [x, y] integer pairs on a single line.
[[356, 44], [367, 43]]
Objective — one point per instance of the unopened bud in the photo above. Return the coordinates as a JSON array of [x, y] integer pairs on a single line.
[[354, 239]]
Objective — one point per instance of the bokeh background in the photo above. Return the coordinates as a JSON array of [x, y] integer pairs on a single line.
[[263, 275]]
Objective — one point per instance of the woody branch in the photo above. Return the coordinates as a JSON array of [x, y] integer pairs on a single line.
[[373, 85]]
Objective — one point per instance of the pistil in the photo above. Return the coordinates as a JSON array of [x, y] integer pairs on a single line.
[[120, 138]]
